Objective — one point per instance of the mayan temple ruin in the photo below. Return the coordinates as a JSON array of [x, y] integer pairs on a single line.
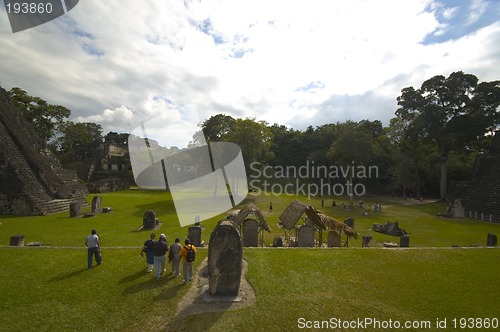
[[32, 181]]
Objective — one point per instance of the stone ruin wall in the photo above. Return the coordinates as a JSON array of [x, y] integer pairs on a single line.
[[32, 180]]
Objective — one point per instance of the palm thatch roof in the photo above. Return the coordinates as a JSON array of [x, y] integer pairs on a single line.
[[323, 222], [252, 209], [296, 209], [292, 214]]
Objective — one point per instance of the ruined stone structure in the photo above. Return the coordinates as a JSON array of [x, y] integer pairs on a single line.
[[110, 170], [252, 230], [480, 197], [32, 181]]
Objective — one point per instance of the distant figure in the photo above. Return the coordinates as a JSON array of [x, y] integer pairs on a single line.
[[160, 252], [175, 257], [270, 207], [334, 204], [148, 248], [93, 243], [188, 254], [322, 202]]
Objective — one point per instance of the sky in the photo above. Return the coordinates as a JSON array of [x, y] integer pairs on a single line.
[[172, 64]]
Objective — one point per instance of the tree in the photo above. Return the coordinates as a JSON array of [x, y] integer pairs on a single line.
[[79, 141], [355, 145], [450, 113], [218, 127], [288, 146], [46, 118], [254, 138]]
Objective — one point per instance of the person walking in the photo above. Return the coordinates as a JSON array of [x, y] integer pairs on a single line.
[[174, 253], [148, 249], [93, 243], [188, 254], [160, 249]]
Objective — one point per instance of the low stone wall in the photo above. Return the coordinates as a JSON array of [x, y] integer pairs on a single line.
[[107, 185]]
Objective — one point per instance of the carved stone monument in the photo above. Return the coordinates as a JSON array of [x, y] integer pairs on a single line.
[[306, 236], [366, 241], [17, 240], [149, 220], [278, 241], [74, 209], [491, 240], [97, 204], [334, 240], [404, 241], [194, 236], [349, 222], [225, 257], [250, 233]]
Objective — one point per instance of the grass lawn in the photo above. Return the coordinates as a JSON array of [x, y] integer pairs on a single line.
[[46, 289]]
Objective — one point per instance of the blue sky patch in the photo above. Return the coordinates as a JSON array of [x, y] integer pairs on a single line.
[[312, 87], [459, 18]]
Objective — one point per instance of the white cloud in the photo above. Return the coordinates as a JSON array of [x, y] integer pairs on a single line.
[[477, 9], [251, 61]]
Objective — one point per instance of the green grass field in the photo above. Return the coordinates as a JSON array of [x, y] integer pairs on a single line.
[[50, 289]]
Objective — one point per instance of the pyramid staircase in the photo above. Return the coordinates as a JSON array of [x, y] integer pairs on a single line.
[[32, 190]]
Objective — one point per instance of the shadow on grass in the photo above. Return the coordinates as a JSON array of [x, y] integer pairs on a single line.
[[132, 277], [166, 280], [68, 275], [203, 321], [159, 207]]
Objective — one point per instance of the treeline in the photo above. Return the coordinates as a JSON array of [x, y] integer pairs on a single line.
[[69, 141], [434, 137]]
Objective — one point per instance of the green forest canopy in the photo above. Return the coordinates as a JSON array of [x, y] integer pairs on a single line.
[[434, 138]]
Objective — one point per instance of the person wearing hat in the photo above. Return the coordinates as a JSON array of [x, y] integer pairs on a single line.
[[188, 252], [148, 248], [175, 257], [160, 249]]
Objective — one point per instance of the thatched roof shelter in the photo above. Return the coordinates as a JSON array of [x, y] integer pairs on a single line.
[[292, 214], [321, 221], [248, 210]]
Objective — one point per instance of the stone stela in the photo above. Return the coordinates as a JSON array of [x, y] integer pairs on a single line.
[[194, 236], [225, 259]]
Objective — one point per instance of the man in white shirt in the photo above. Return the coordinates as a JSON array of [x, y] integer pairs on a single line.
[[93, 244]]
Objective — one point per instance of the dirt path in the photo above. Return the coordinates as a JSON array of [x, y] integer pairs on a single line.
[[199, 300]]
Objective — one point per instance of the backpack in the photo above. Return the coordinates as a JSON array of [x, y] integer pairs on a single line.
[[191, 254]]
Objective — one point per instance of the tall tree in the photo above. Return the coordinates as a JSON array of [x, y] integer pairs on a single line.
[[254, 138], [288, 146], [451, 113], [218, 127], [45, 117], [80, 141]]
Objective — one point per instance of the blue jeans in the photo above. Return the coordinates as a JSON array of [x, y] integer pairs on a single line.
[[91, 253], [160, 262]]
